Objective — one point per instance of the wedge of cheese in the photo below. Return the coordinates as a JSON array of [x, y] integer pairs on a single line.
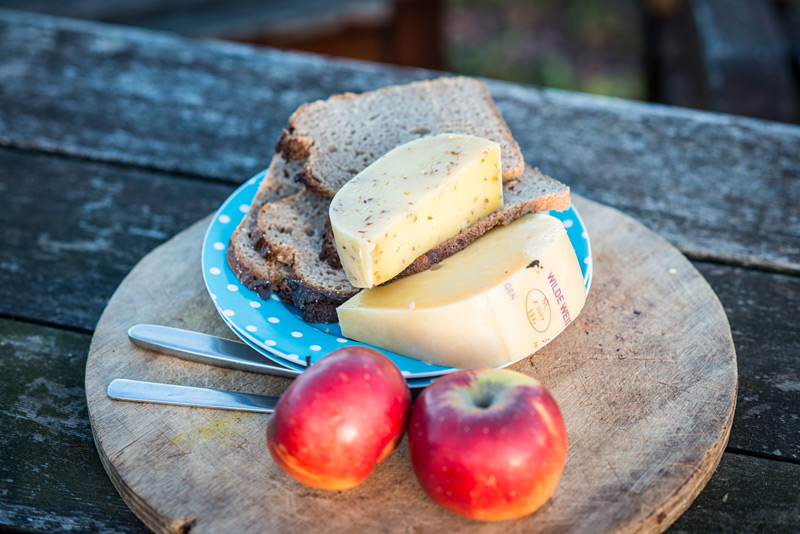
[[410, 200], [500, 299]]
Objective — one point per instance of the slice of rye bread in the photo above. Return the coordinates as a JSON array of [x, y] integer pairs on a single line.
[[293, 230], [293, 236], [340, 136], [250, 267]]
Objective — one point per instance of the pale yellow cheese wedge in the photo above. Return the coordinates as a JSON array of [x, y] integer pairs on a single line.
[[412, 199], [498, 300]]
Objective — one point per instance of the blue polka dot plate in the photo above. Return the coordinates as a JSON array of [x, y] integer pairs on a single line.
[[276, 329]]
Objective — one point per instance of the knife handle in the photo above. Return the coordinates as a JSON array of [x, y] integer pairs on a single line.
[[159, 393], [204, 348]]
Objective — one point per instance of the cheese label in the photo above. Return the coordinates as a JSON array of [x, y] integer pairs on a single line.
[[412, 199], [499, 300]]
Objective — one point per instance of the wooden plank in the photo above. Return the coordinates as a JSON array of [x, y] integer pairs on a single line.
[[70, 231], [763, 313], [94, 9], [219, 18], [155, 100], [257, 19], [746, 494], [52, 479], [682, 173], [215, 110]]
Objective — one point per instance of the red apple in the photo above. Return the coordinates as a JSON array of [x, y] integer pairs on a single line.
[[339, 419], [488, 444]]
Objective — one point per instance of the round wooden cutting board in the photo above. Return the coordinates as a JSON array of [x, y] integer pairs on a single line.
[[645, 378]]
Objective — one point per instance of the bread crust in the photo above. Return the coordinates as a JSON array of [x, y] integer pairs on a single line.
[[243, 270], [318, 306], [329, 254], [517, 170], [248, 265], [299, 142], [291, 147], [314, 184], [291, 234]]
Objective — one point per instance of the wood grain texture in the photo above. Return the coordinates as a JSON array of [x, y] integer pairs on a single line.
[[764, 314], [50, 475], [647, 390], [156, 100], [682, 173], [69, 239], [724, 505], [215, 110]]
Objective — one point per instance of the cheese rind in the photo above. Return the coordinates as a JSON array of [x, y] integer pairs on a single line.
[[412, 199], [500, 299]]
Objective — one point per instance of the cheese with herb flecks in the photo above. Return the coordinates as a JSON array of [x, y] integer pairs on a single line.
[[498, 300], [411, 200]]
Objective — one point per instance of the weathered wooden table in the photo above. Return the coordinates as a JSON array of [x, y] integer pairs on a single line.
[[112, 140]]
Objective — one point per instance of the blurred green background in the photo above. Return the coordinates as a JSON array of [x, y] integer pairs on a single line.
[[583, 45]]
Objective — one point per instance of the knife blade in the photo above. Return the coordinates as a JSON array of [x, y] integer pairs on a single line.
[[204, 348], [159, 393]]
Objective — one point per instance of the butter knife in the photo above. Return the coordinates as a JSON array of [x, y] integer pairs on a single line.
[[217, 351], [204, 348], [159, 393]]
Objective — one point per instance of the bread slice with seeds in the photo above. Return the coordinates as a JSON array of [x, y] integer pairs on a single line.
[[250, 267], [292, 232], [340, 136]]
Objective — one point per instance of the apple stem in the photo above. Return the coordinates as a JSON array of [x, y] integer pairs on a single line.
[[308, 361]]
